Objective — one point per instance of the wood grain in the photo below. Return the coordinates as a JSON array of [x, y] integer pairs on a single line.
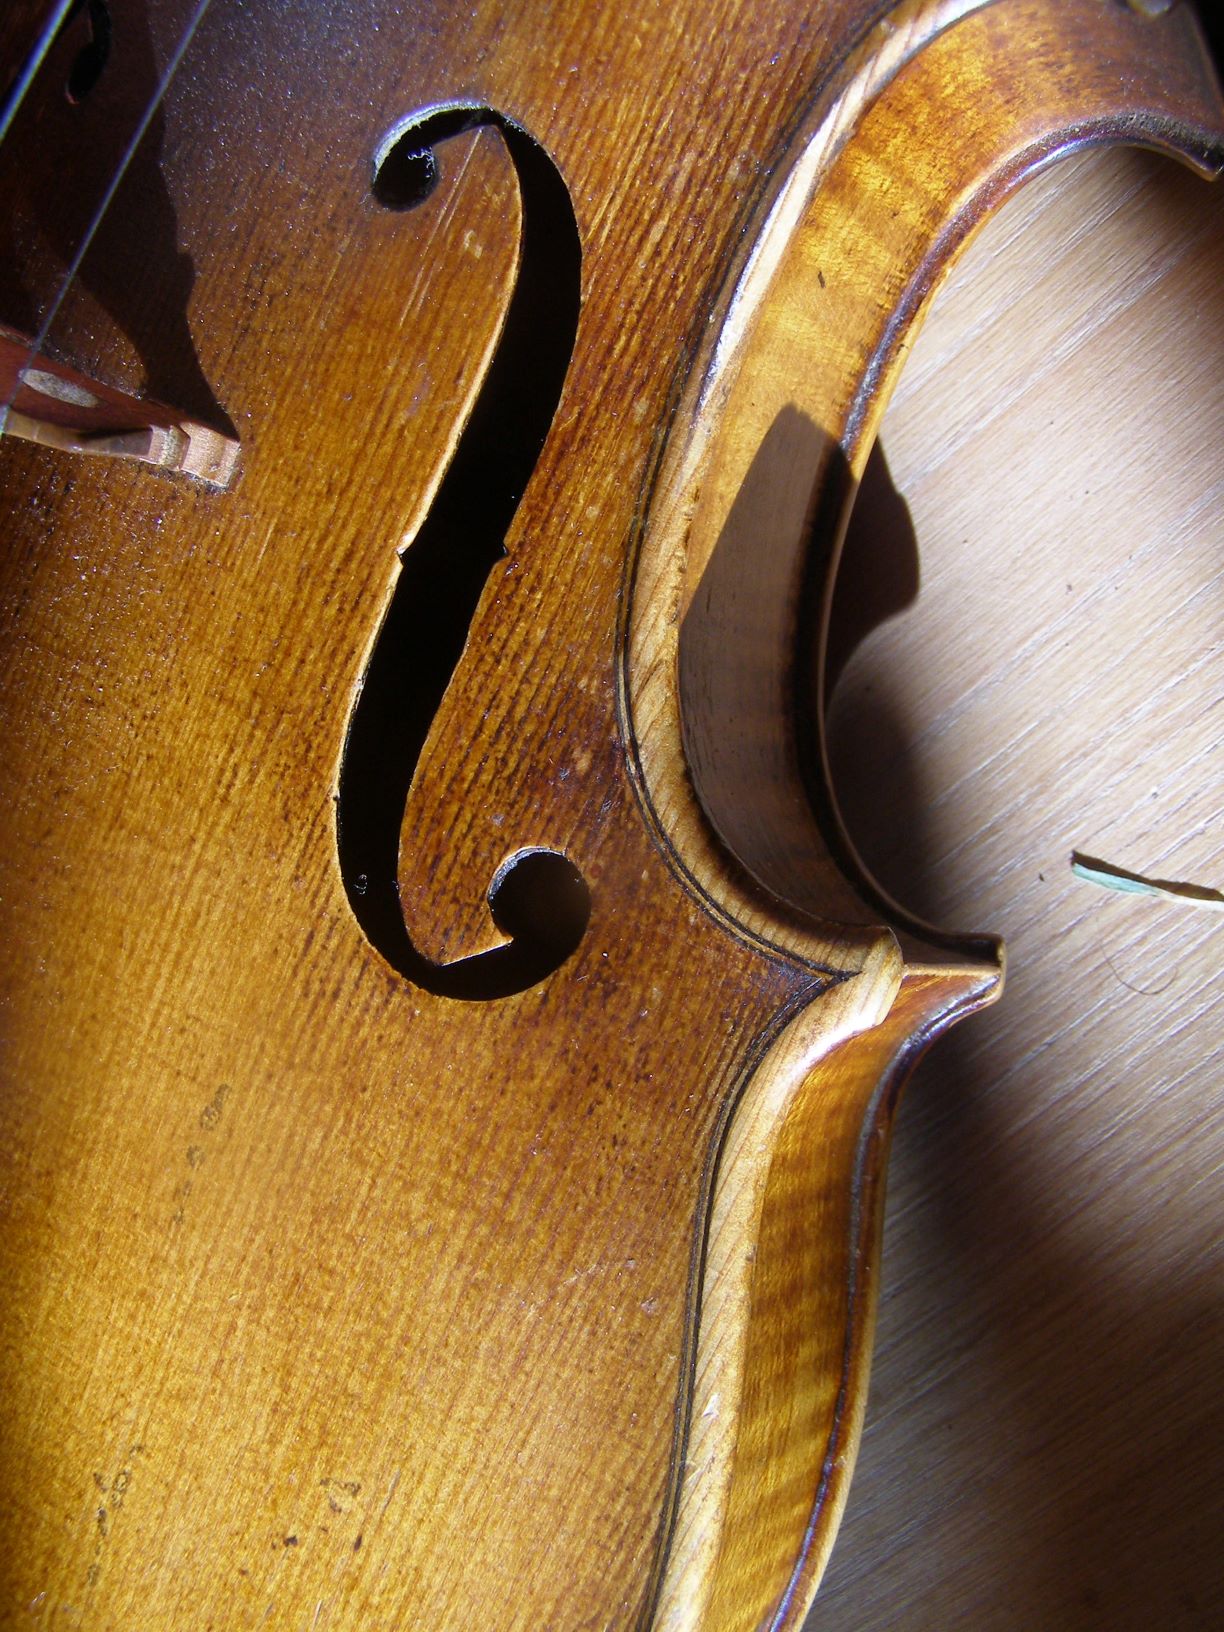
[[332, 1299], [782, 402], [1044, 1431], [317, 1306]]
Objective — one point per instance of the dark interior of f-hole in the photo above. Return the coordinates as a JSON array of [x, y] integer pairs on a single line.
[[94, 54], [539, 899]]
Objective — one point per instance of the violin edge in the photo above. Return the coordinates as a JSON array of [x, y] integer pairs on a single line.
[[767, 1467], [726, 737]]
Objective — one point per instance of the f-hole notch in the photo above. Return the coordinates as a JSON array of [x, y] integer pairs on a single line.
[[538, 897]]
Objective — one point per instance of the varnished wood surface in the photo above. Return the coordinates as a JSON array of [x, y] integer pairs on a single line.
[[1045, 1428], [333, 1296], [317, 1304]]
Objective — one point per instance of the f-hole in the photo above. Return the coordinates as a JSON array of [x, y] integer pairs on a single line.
[[539, 897], [93, 56]]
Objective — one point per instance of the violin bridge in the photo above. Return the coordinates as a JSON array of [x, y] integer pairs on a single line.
[[59, 407]]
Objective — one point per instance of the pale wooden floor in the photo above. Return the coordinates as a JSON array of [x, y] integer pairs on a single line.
[[1045, 1434]]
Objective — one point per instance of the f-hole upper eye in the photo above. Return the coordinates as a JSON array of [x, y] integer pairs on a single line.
[[93, 56]]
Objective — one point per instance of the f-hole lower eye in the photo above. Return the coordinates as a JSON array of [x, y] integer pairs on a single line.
[[538, 897]]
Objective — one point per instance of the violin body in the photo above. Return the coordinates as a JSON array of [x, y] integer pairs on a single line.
[[449, 1048]]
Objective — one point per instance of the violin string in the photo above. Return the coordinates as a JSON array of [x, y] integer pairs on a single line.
[[121, 169], [34, 62]]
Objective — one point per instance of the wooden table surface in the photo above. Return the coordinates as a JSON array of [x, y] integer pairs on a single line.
[[1046, 1426]]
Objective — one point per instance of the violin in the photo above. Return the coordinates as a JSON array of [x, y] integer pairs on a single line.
[[451, 1042]]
